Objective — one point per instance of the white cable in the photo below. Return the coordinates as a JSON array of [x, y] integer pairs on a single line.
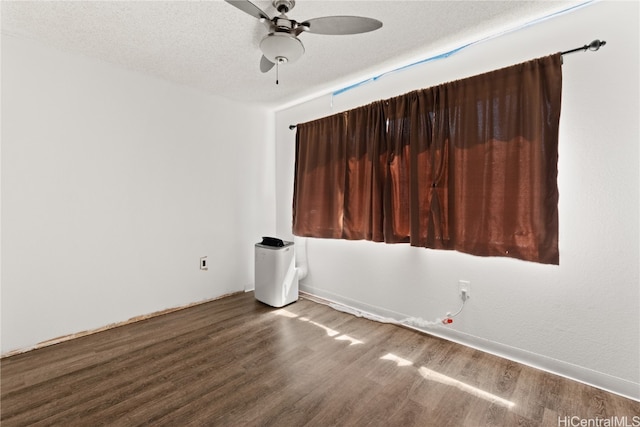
[[363, 314], [410, 321], [457, 312]]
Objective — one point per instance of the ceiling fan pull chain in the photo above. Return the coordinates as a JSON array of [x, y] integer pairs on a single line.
[[277, 70]]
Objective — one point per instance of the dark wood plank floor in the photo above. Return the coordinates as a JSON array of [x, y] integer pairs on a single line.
[[237, 362]]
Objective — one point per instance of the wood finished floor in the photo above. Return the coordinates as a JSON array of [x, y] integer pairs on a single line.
[[237, 362]]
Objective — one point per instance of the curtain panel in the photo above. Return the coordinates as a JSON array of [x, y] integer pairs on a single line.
[[469, 165]]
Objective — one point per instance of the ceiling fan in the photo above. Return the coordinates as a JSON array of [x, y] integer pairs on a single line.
[[282, 45]]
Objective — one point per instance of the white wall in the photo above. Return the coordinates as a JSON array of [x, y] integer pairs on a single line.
[[579, 319], [114, 184]]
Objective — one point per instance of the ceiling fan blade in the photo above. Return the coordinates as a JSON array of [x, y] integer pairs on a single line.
[[341, 25], [265, 64], [250, 8]]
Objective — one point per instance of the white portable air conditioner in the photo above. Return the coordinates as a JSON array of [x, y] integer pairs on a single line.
[[276, 278]]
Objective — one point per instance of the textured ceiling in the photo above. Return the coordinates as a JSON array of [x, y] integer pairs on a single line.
[[213, 46]]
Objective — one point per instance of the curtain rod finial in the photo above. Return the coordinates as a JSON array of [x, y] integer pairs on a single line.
[[292, 127], [596, 44]]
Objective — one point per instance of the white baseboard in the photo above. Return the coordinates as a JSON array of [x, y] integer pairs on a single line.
[[620, 386]]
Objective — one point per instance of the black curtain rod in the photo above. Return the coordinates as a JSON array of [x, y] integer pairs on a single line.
[[593, 46]]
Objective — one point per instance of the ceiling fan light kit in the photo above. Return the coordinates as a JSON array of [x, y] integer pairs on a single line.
[[281, 45], [281, 48]]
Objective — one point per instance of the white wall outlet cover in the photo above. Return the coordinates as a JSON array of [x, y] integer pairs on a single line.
[[464, 285]]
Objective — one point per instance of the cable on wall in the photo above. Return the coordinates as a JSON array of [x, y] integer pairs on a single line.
[[458, 49]]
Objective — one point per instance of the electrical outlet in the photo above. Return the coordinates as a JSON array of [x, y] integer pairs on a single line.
[[464, 289], [204, 264]]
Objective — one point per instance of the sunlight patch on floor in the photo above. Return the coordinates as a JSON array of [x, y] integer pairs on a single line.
[[399, 360], [432, 375], [444, 379], [330, 332], [352, 341], [285, 313]]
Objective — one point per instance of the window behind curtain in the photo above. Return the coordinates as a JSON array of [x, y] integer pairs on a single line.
[[469, 165]]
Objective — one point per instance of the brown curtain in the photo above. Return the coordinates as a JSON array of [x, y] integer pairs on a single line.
[[469, 165], [320, 172], [365, 174]]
